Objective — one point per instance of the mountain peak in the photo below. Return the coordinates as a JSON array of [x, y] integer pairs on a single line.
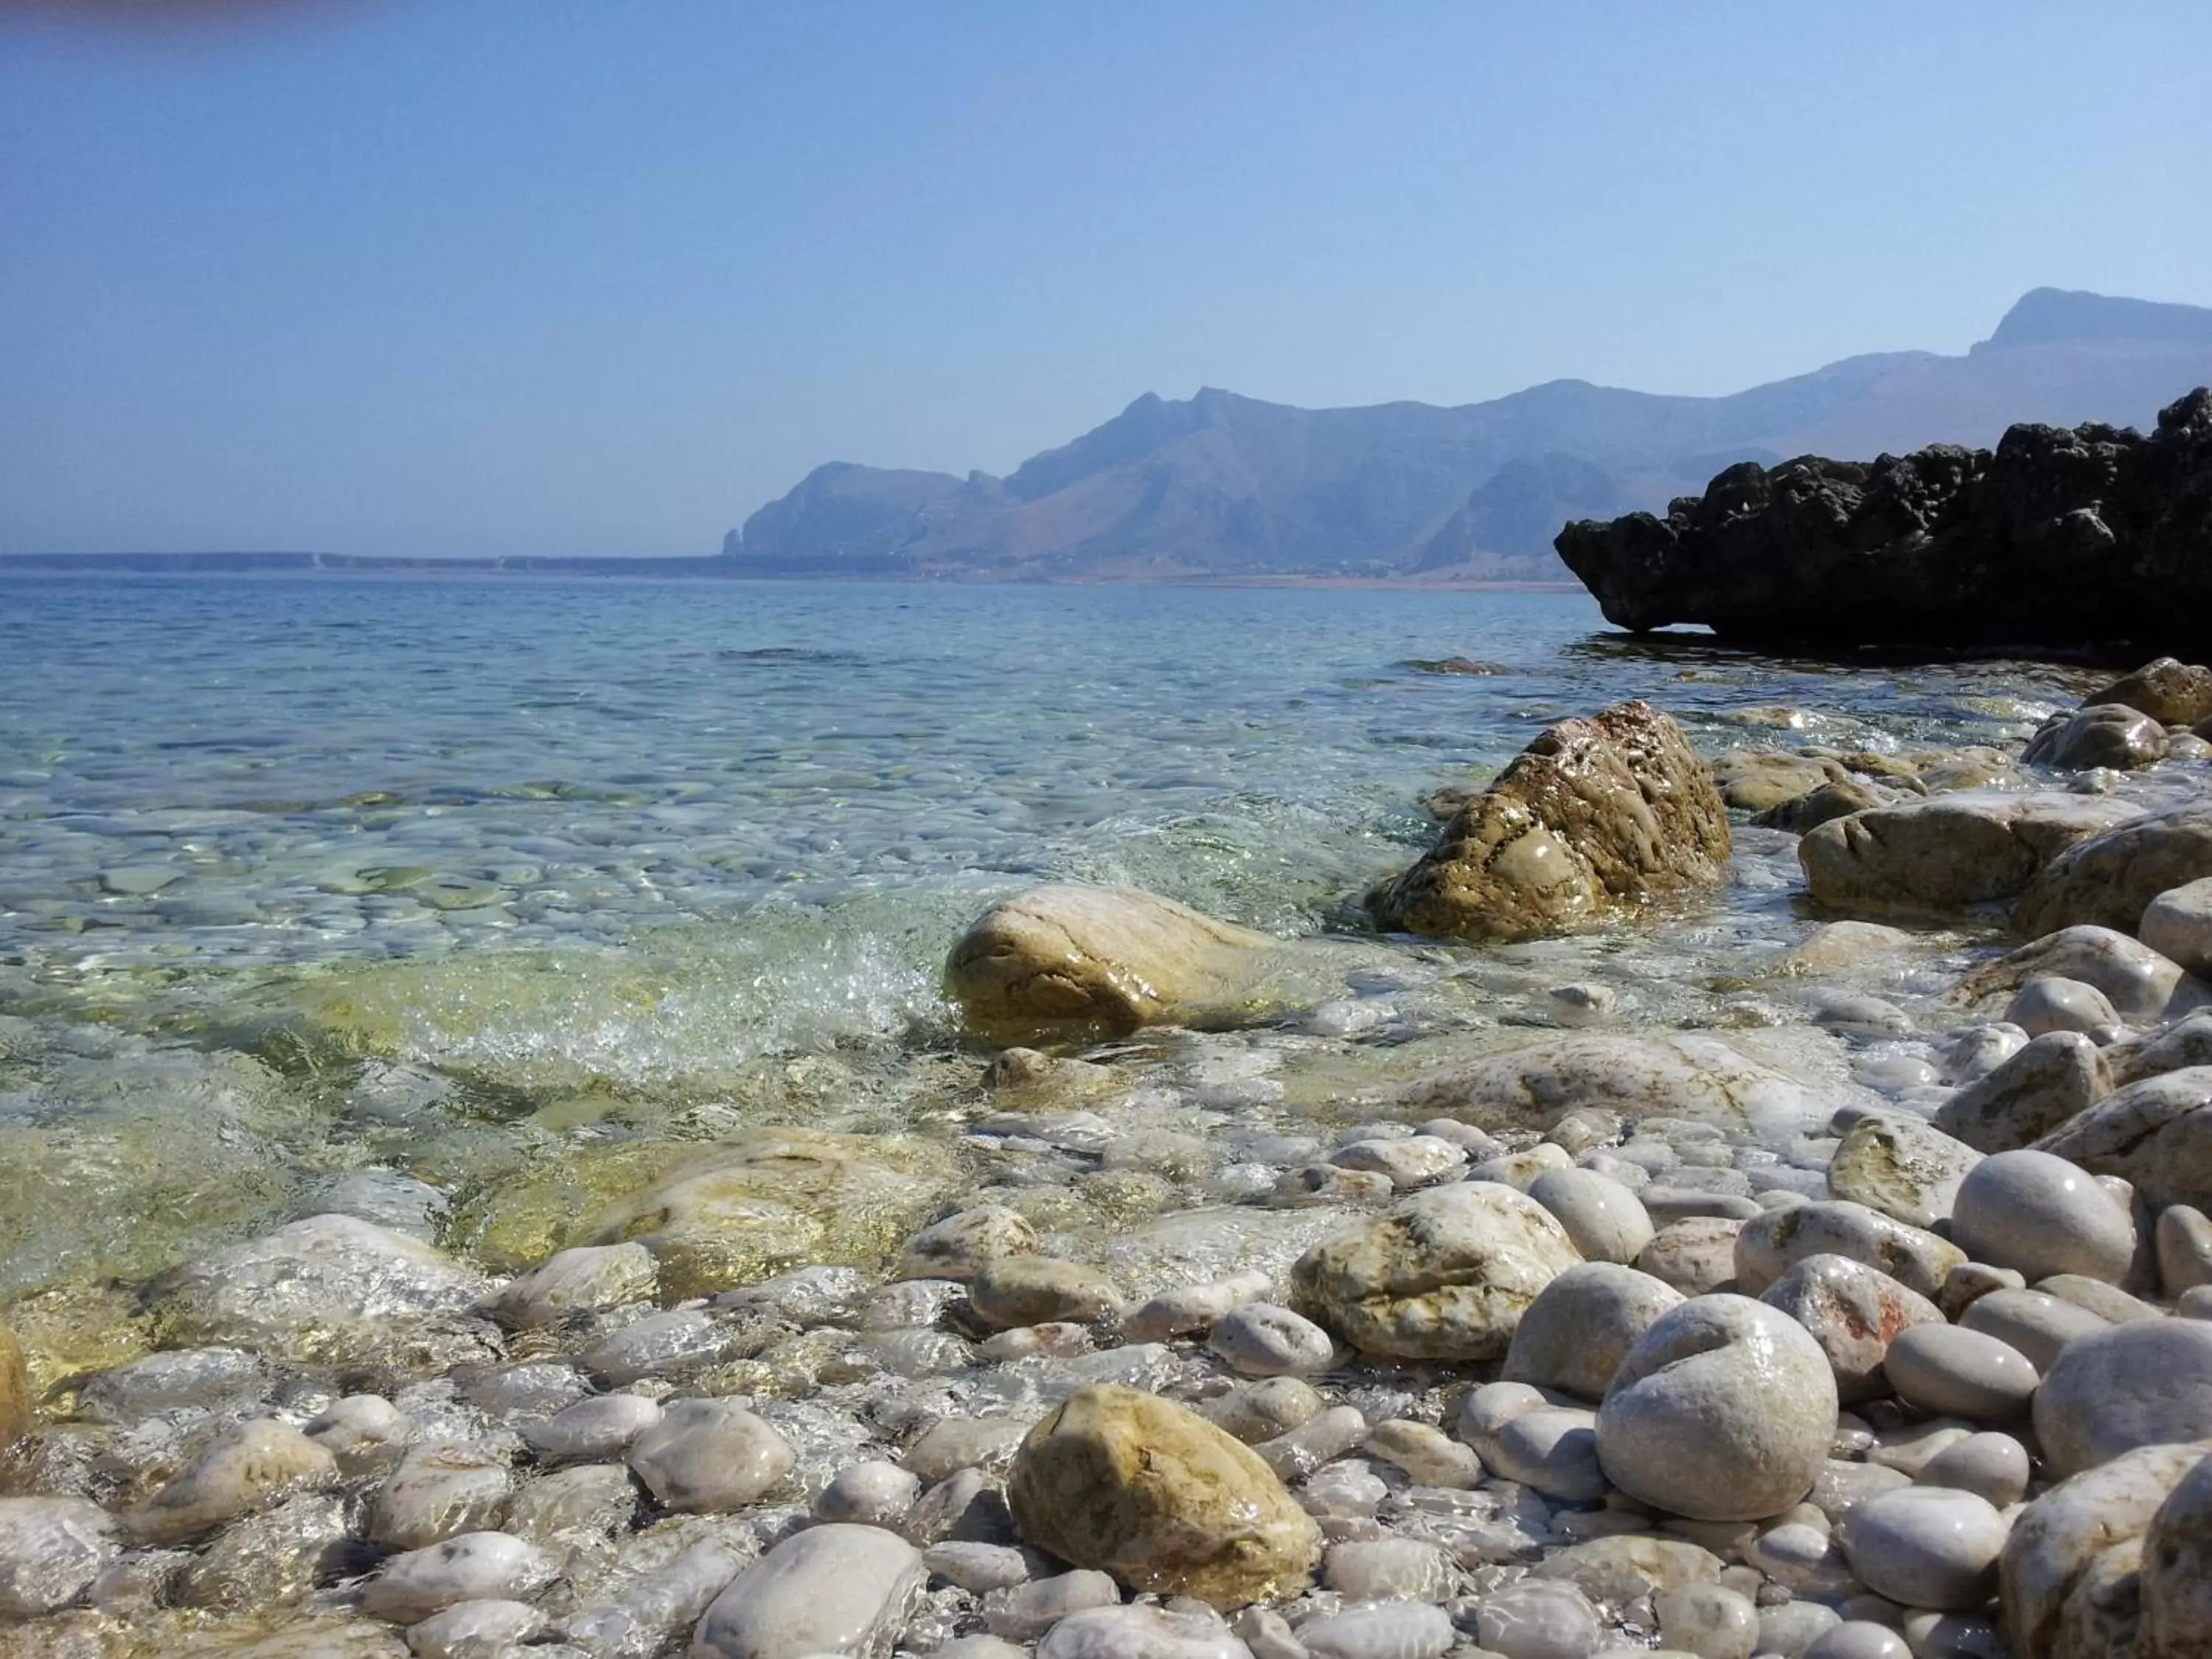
[[2055, 316]]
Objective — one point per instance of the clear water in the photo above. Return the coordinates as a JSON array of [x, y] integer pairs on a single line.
[[696, 850]]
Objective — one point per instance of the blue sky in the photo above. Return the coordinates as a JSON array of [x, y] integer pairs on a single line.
[[528, 275]]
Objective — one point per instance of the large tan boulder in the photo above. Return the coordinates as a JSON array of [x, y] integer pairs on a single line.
[[1445, 1274], [779, 1198], [2110, 878], [1073, 961], [1594, 817], [1133, 1484], [2170, 692], [1942, 854], [2071, 1577]]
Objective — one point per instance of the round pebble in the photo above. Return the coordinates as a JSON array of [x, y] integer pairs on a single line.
[[1945, 1370], [1261, 1338], [2040, 1215], [1926, 1546]]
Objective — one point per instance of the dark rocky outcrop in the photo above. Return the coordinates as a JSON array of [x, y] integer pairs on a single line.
[[2058, 539]]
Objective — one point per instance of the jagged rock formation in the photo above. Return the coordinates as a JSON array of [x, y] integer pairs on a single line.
[[2059, 538], [1591, 819]]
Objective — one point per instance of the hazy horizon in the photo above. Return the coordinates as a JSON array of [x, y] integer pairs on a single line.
[[392, 279]]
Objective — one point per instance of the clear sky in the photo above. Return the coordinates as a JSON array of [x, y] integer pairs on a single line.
[[583, 277]]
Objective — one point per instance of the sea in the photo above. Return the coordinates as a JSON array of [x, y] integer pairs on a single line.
[[442, 883]]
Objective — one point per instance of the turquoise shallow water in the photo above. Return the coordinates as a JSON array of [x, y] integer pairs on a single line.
[[456, 879]]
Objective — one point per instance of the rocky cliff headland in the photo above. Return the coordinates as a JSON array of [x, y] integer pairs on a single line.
[[2058, 539]]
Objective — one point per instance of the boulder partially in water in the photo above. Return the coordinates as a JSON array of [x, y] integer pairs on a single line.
[[14, 1389], [778, 1199], [1685, 1074], [1594, 817], [1939, 856], [1071, 960], [2110, 878]]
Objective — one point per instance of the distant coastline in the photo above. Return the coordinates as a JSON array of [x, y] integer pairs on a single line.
[[310, 566]]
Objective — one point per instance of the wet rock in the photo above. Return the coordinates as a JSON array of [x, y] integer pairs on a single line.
[[2104, 734], [2170, 692], [965, 1443], [51, 1550], [959, 1246], [2041, 1215], [1406, 1162], [709, 1456], [1071, 961], [1708, 1620], [1941, 855], [15, 1414], [2047, 1005], [1140, 1632], [1854, 1312], [1261, 1411], [2178, 924], [587, 1280], [2041, 1088], [591, 1431], [1445, 1274], [2184, 1249], [1191, 1309], [1901, 1166], [1023, 1613], [1594, 815], [1693, 1256], [679, 1343], [1770, 1246], [365, 1432], [326, 1287], [870, 1494], [2037, 1323], [2110, 878], [1688, 1074], [275, 1559], [834, 1588], [2067, 1579], [1134, 1485], [438, 1490], [2156, 1134], [2177, 1573], [1945, 1371], [1759, 779], [178, 1380], [1581, 1326], [476, 1566], [1604, 1220], [1388, 1568], [245, 1469], [2145, 1384], [1551, 1449], [1035, 1289], [782, 1198], [1262, 1339], [1427, 1456], [1722, 1412], [1993, 1467], [1926, 1546], [2139, 982], [475, 1630], [587, 1502], [1537, 1620], [1832, 800]]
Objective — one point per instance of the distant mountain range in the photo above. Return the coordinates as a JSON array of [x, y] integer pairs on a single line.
[[1225, 485]]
